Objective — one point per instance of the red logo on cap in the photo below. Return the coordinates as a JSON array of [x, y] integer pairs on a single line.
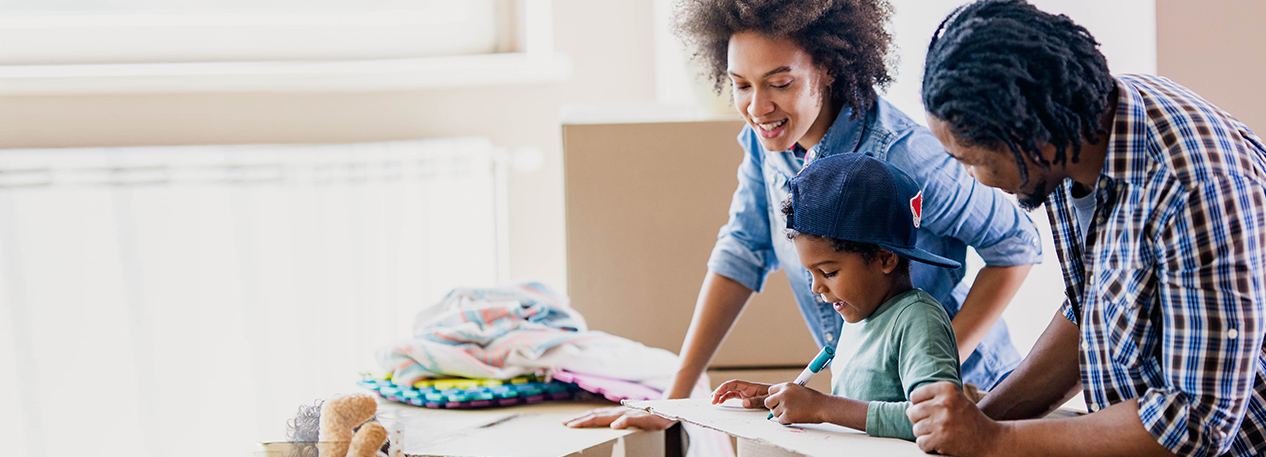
[[916, 208]]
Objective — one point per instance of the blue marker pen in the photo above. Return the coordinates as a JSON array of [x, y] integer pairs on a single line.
[[823, 358]]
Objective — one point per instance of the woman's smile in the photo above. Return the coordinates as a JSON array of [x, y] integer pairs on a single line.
[[772, 129]]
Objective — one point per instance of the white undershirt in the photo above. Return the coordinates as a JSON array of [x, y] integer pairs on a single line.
[[1084, 209]]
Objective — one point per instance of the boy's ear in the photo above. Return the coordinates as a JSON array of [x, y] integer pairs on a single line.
[[887, 260]]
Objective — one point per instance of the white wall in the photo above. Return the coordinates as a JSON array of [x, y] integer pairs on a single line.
[[612, 61]]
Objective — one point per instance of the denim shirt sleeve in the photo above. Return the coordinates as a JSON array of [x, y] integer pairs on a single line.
[[744, 251], [958, 206]]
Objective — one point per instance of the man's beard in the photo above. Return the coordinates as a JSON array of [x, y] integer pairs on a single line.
[[1030, 202]]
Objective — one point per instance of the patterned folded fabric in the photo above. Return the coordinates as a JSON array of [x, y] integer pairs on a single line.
[[504, 332]]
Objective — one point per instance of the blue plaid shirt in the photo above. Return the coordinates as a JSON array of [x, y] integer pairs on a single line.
[[1169, 289]]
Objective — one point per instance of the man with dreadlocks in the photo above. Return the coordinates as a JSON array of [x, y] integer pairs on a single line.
[[1158, 209], [803, 74]]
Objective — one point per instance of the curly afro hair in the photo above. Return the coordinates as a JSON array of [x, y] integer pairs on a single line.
[[846, 37], [1002, 72]]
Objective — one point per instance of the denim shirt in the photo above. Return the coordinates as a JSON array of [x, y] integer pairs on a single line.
[[958, 211]]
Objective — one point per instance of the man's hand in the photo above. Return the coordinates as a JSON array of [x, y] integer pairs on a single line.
[[792, 403], [619, 417], [752, 393], [947, 422]]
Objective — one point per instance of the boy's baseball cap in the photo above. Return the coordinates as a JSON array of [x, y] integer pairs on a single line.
[[859, 198]]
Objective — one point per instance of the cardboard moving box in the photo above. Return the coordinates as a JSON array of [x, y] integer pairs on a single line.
[[644, 203]]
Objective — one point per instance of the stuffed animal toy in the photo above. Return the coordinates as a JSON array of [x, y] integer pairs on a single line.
[[339, 418], [336, 426]]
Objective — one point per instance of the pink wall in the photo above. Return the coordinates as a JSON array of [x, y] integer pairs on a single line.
[[1217, 49]]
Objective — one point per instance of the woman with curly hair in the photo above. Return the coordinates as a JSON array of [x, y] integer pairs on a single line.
[[804, 77]]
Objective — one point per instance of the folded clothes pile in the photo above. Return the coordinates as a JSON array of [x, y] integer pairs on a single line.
[[519, 330]]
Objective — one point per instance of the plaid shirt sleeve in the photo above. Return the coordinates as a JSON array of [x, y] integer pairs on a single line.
[[1210, 291], [1066, 309]]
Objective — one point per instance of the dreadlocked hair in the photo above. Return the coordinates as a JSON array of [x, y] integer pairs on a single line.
[[846, 37], [1002, 72]]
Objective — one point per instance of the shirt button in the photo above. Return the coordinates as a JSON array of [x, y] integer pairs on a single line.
[[1232, 333], [1085, 345]]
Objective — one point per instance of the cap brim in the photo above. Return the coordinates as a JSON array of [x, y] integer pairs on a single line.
[[922, 256]]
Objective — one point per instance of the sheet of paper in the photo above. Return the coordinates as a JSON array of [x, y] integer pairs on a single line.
[[808, 439]]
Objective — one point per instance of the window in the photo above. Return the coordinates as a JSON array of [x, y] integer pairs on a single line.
[[161, 46], [40, 32], [44, 32]]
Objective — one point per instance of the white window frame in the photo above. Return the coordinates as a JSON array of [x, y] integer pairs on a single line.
[[62, 54], [430, 29]]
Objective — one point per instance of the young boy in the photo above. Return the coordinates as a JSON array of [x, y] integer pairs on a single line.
[[852, 219]]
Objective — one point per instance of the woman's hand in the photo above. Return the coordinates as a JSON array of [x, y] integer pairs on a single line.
[[752, 393], [619, 417], [792, 403]]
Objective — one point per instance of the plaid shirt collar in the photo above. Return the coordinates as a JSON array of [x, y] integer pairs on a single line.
[[1128, 156]]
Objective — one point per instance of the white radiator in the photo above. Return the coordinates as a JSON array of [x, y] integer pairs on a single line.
[[185, 300]]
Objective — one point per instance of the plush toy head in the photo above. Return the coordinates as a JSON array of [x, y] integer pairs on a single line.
[[339, 418], [336, 427]]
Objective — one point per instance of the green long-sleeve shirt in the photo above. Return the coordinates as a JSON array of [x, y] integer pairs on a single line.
[[907, 342]]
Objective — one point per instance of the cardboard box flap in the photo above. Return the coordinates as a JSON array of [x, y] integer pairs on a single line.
[[751, 424]]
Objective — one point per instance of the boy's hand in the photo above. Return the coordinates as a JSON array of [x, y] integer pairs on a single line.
[[752, 393], [791, 403]]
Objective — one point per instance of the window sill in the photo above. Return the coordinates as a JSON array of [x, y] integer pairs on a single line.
[[366, 75]]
